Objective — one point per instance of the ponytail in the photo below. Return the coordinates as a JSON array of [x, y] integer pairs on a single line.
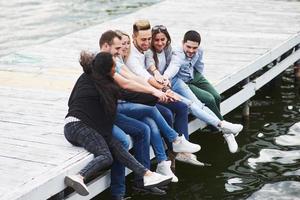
[[86, 61]]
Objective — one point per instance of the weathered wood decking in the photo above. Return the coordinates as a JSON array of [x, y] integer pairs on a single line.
[[239, 37]]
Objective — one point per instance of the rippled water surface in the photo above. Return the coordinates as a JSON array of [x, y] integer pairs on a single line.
[[29, 22]]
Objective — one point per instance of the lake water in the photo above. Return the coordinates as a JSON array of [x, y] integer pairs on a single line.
[[267, 165], [28, 22]]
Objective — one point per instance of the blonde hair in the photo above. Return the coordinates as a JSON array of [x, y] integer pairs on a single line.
[[121, 33], [141, 25]]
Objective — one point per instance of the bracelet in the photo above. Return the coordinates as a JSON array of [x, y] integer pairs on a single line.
[[165, 88]]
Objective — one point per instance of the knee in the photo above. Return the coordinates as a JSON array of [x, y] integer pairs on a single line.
[[181, 109], [106, 160], [125, 142], [210, 99], [121, 136], [218, 98], [167, 115], [146, 132]]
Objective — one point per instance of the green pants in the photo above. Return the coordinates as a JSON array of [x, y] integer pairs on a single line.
[[206, 93]]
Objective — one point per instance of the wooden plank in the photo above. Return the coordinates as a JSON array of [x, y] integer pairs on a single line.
[[277, 69], [257, 64], [51, 181], [237, 99]]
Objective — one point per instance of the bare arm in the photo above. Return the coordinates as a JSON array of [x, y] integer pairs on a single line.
[[137, 87], [130, 75]]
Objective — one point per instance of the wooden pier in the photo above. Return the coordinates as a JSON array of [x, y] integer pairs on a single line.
[[239, 38]]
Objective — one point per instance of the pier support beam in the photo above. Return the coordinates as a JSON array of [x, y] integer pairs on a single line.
[[297, 70], [246, 108], [297, 65]]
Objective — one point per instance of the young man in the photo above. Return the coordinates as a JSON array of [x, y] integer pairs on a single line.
[[136, 62], [187, 65]]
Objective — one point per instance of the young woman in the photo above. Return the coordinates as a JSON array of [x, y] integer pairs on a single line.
[[89, 122], [158, 60]]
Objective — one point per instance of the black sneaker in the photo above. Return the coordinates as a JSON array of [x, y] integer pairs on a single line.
[[153, 191]]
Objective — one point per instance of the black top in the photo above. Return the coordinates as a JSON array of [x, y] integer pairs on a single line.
[[86, 104]]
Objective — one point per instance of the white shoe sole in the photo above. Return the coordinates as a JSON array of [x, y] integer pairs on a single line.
[[77, 186], [162, 183], [189, 161]]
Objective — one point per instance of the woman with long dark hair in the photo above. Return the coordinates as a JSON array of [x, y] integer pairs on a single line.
[[90, 118]]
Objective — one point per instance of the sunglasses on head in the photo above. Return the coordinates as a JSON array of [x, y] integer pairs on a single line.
[[159, 27]]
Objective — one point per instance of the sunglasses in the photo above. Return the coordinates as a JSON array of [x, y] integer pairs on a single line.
[[159, 27]]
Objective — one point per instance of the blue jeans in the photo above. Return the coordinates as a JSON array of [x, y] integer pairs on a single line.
[[179, 118], [156, 140], [152, 117], [140, 134], [197, 108], [140, 111]]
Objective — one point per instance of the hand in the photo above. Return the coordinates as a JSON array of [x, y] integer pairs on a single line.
[[158, 77], [161, 96], [174, 96], [166, 81]]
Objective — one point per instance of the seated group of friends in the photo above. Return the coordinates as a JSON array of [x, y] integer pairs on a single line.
[[143, 89]]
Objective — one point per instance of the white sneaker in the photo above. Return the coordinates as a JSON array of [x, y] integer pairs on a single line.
[[164, 168], [232, 145], [182, 145], [227, 127], [75, 182], [190, 159], [156, 180]]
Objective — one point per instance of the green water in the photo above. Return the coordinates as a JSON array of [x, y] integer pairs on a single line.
[[264, 167]]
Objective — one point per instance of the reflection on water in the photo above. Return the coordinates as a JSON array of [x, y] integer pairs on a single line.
[[285, 190], [274, 155], [29, 22], [292, 138]]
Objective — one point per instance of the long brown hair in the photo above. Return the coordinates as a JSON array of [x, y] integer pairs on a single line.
[[156, 30], [99, 68]]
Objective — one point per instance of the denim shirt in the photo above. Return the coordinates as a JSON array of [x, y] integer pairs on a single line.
[[183, 67]]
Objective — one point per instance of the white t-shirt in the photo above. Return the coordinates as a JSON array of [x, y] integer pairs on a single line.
[[162, 62], [136, 63]]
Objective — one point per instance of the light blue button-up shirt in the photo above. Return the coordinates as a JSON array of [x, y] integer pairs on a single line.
[[183, 67]]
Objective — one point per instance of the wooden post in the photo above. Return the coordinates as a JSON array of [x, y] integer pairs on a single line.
[[246, 108], [297, 65], [297, 69]]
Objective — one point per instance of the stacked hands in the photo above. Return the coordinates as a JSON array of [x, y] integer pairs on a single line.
[[161, 79], [166, 94]]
